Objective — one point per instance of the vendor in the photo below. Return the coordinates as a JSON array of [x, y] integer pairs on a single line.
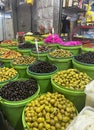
[[65, 25]]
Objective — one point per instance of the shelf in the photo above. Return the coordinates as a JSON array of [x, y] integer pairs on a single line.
[[85, 27], [78, 37], [74, 9]]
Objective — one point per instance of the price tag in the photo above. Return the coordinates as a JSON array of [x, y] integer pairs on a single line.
[[53, 34], [36, 43], [52, 30]]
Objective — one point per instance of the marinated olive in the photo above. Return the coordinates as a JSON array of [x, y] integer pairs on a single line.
[[60, 53], [11, 54], [24, 60], [19, 90], [42, 67], [7, 73], [72, 79], [51, 117], [87, 57]]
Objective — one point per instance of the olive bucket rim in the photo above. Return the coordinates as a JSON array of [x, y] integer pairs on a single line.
[[16, 103]]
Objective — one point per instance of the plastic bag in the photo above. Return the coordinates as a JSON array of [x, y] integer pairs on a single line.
[[89, 91], [84, 120]]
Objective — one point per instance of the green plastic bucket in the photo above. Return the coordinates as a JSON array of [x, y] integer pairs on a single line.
[[13, 47], [25, 126], [21, 69], [61, 63], [40, 56], [4, 45], [13, 110], [77, 97], [21, 63], [87, 68], [24, 51], [74, 49], [11, 79], [54, 45], [39, 43], [7, 62], [84, 50], [87, 47], [43, 79]]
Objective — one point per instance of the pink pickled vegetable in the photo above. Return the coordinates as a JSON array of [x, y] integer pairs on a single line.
[[53, 39], [71, 43]]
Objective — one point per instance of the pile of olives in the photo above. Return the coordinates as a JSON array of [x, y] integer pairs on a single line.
[[60, 53], [10, 55], [51, 111], [37, 34], [42, 49], [87, 57], [9, 42], [19, 90], [24, 60], [3, 50], [42, 67], [7, 73], [26, 46], [39, 39], [71, 79]]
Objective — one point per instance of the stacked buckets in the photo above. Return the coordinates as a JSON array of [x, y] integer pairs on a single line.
[[13, 110], [77, 97], [43, 79]]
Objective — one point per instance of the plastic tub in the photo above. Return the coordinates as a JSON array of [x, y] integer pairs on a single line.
[[87, 68], [21, 69], [4, 45], [7, 62], [43, 79], [25, 126], [77, 97], [74, 49], [40, 56], [84, 50], [21, 64], [61, 63], [39, 42], [54, 45], [13, 47], [24, 51], [13, 109], [87, 47]]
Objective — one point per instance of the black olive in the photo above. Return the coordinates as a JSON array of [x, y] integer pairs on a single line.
[[87, 57], [42, 67], [26, 46], [19, 90]]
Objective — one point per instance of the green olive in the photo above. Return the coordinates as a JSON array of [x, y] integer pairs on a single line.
[[72, 79], [54, 112]]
